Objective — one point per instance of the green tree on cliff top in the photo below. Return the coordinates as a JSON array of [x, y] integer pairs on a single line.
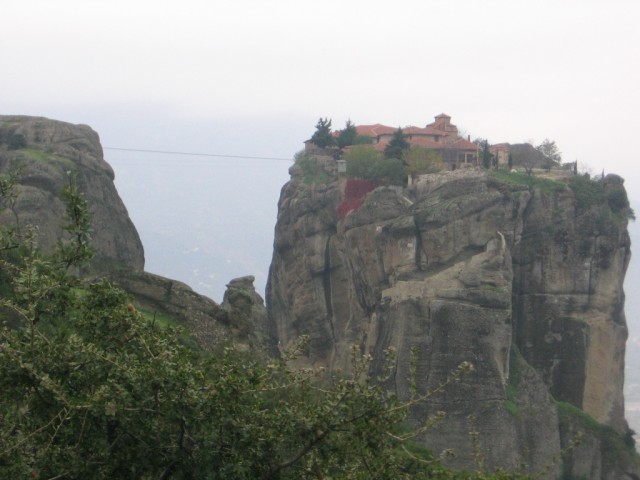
[[397, 145], [347, 136], [323, 137]]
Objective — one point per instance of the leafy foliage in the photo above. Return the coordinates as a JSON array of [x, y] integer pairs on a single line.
[[365, 162], [323, 137], [94, 389], [313, 169], [515, 360], [8, 199], [422, 160], [617, 450], [390, 170], [78, 250], [397, 146], [362, 140], [587, 192], [551, 152], [347, 136], [486, 154], [591, 193], [360, 160]]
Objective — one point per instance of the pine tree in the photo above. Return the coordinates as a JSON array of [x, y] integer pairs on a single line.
[[397, 145], [323, 137], [486, 155], [348, 135]]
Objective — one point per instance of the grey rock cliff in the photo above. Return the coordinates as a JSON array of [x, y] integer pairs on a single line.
[[520, 276], [240, 321], [44, 152]]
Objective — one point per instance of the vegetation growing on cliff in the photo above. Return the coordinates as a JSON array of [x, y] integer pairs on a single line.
[[617, 450], [323, 137], [314, 171], [366, 163], [422, 160], [397, 146], [592, 192], [531, 182], [588, 193], [91, 388], [514, 379]]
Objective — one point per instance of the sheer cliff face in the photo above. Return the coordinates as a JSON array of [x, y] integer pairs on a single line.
[[43, 153], [520, 276]]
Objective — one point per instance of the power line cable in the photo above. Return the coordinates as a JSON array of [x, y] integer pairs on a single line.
[[196, 154]]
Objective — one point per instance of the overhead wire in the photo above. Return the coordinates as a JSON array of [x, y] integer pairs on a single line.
[[198, 154]]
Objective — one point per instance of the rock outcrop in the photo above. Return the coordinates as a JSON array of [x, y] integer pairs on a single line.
[[519, 275], [240, 321], [44, 153]]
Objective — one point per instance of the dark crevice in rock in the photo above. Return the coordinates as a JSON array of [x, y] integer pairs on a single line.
[[326, 283], [421, 257], [519, 278], [380, 248], [594, 254]]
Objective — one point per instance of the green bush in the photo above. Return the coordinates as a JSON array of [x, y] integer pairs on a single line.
[[422, 160], [360, 160], [365, 162], [363, 140], [390, 170], [313, 169], [323, 137], [587, 192], [348, 135]]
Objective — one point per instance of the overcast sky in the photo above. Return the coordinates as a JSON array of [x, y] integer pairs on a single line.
[[253, 76], [506, 70]]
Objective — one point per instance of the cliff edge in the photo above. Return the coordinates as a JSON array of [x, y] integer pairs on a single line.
[[43, 153], [519, 274]]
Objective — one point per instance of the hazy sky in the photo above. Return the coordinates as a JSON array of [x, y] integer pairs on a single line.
[[252, 77], [507, 70]]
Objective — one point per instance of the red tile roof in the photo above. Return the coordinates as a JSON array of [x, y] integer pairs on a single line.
[[445, 132], [422, 131], [460, 144], [426, 143], [464, 144], [374, 130], [500, 146], [378, 129]]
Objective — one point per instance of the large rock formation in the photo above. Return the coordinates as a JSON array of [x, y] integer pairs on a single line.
[[44, 153], [520, 275], [240, 321]]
